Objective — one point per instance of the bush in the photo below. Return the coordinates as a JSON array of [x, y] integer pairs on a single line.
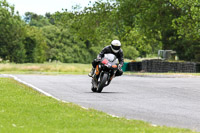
[[130, 52], [197, 57]]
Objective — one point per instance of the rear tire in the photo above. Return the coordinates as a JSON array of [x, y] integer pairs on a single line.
[[102, 82]]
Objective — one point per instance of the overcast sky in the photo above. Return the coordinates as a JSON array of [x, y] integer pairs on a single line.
[[43, 6]]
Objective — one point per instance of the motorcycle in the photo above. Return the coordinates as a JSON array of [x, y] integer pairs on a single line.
[[104, 73]]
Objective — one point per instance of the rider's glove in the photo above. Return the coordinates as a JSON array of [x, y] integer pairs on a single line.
[[119, 66], [98, 58]]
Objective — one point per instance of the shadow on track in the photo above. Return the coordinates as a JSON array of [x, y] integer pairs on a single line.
[[105, 92]]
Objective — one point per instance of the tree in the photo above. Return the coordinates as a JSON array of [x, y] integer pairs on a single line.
[[62, 46], [152, 18], [35, 45], [188, 28], [188, 23], [170, 24], [37, 20], [11, 35]]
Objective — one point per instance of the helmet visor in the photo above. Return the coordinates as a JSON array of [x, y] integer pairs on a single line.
[[116, 47]]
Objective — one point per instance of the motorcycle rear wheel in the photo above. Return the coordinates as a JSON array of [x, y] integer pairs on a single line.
[[102, 82]]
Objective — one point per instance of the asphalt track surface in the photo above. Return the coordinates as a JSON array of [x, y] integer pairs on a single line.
[[168, 101]]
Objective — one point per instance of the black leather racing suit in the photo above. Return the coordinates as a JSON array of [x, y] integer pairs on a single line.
[[108, 50]]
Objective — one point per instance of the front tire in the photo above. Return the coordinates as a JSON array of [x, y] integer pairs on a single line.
[[94, 89], [102, 82]]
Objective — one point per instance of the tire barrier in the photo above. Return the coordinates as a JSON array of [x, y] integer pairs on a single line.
[[135, 66], [198, 67], [157, 65]]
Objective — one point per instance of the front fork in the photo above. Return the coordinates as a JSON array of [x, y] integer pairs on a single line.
[[95, 77]]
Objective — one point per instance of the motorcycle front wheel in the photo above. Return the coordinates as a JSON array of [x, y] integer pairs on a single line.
[[93, 88], [102, 82]]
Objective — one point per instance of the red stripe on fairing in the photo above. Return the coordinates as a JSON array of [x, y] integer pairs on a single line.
[[105, 61]]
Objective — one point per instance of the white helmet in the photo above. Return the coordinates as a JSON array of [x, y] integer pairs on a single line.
[[115, 46]]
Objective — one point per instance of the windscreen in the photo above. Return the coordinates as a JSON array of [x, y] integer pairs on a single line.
[[111, 57]]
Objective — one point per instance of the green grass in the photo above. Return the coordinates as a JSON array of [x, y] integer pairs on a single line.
[[24, 110], [45, 68], [63, 68]]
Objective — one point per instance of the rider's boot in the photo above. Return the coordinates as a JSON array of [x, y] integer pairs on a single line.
[[91, 72]]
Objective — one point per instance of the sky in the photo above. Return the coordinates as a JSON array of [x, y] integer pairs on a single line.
[[40, 7]]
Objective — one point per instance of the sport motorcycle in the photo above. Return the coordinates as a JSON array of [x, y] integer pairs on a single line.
[[104, 73]]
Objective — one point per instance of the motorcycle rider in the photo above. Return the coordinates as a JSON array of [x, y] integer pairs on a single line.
[[114, 48]]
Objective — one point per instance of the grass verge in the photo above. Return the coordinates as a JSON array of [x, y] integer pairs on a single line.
[[45, 68], [24, 110], [64, 68]]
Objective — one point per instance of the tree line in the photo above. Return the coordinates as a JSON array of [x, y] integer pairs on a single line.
[[77, 36]]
